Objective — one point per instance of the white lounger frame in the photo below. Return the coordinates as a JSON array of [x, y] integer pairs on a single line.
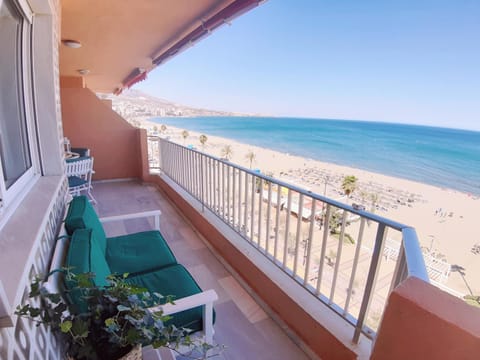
[[205, 298]]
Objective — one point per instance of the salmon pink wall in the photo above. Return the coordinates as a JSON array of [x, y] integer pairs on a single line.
[[423, 322], [114, 143], [72, 82]]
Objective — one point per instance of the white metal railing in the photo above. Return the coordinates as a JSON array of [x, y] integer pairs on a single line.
[[333, 250]]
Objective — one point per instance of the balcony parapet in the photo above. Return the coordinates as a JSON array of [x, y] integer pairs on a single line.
[[423, 322]]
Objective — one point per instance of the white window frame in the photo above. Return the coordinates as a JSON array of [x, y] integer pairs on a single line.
[[11, 197]]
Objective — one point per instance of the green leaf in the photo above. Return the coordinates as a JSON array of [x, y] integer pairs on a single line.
[[55, 298], [66, 326], [35, 312], [109, 322], [123, 308], [158, 343], [22, 310], [132, 336], [80, 328], [34, 289]]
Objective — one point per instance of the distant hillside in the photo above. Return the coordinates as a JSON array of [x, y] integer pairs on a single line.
[[135, 105]]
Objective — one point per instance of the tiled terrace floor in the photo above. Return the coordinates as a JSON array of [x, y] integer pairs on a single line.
[[241, 325]]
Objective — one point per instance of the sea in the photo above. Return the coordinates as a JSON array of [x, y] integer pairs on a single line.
[[444, 157]]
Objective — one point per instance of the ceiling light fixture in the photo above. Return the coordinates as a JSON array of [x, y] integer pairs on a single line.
[[74, 44], [83, 71]]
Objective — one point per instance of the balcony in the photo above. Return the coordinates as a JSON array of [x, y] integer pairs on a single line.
[[286, 282]]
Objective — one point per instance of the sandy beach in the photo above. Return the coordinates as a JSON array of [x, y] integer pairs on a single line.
[[445, 219]]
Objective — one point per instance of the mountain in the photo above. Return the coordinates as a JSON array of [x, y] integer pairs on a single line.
[[135, 105]]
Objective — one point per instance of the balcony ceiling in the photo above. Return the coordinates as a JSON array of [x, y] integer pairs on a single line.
[[118, 37]]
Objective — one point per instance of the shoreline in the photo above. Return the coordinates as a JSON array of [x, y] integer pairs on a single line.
[[445, 219], [418, 158]]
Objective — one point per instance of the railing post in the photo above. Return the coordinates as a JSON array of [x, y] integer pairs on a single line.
[[260, 222], [160, 157], [287, 228], [269, 205], [339, 255], [240, 221], [202, 178], [277, 222], [234, 204], [324, 249], [400, 273], [298, 233], [245, 212], [228, 195], [223, 191], [354, 265], [252, 214], [216, 186], [372, 275], [308, 245]]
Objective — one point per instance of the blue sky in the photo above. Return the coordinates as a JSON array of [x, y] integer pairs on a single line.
[[395, 61]]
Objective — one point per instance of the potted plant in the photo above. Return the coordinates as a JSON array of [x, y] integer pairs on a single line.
[[111, 322]]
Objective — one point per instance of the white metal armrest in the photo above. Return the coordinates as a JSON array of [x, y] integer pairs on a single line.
[[154, 213], [204, 298], [61, 248]]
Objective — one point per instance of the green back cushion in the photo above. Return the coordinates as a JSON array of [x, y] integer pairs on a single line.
[[85, 256], [81, 215], [173, 280], [140, 252]]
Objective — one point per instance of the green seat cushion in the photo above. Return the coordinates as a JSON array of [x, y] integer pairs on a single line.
[[174, 280], [139, 252], [81, 215]]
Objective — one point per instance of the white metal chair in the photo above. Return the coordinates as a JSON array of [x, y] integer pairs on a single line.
[[79, 173]]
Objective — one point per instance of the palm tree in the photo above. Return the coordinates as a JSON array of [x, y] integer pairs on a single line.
[[374, 200], [349, 184], [185, 135], [203, 139], [163, 128], [250, 156], [226, 152], [363, 196], [335, 222]]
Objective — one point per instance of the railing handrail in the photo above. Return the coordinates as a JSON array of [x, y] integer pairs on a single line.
[[414, 258]]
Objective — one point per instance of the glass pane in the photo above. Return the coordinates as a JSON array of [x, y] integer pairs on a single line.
[[14, 148]]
